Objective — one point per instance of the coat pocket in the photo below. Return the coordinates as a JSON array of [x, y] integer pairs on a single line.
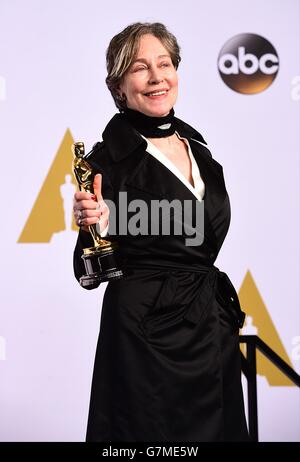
[[166, 312]]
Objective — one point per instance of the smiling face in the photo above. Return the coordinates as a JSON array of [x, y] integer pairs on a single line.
[[151, 83]]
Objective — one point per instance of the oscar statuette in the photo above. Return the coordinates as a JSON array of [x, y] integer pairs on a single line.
[[101, 261]]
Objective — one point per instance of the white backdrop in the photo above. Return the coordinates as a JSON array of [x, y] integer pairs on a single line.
[[52, 71]]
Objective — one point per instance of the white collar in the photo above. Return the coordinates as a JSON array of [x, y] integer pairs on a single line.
[[199, 188]]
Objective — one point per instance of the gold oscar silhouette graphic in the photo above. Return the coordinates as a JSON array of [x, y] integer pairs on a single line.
[[101, 261]]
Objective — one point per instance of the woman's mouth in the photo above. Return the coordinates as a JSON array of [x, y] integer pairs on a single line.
[[156, 94]]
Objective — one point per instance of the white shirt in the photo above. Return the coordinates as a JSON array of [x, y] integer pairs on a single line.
[[199, 188]]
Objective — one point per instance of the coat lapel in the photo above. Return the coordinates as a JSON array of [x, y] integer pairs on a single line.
[[150, 176], [212, 175], [158, 181]]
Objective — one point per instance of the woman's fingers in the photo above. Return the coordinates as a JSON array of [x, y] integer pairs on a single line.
[[97, 186], [82, 195], [87, 221], [89, 212], [86, 204], [90, 208]]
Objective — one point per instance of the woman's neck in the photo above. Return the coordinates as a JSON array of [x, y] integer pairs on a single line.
[[151, 127], [164, 143]]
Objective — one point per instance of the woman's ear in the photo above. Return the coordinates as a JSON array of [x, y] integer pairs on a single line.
[[121, 96], [120, 91]]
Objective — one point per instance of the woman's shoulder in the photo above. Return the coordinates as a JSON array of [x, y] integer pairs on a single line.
[[187, 131], [98, 155], [198, 144]]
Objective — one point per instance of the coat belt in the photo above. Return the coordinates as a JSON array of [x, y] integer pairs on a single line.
[[215, 285]]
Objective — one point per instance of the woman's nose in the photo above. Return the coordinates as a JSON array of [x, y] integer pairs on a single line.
[[155, 77]]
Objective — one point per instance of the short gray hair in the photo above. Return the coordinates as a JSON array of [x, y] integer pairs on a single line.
[[123, 49]]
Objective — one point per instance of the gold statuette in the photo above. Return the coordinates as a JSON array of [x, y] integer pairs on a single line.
[[101, 261]]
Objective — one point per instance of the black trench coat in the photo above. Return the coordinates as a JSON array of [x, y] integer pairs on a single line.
[[167, 366]]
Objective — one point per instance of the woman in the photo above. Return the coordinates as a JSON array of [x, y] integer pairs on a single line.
[[167, 366]]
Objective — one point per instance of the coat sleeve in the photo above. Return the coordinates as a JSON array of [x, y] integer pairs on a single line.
[[85, 239]]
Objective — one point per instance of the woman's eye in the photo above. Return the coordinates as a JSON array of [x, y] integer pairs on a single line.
[[165, 64], [140, 68]]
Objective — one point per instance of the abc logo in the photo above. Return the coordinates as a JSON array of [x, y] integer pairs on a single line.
[[248, 63]]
